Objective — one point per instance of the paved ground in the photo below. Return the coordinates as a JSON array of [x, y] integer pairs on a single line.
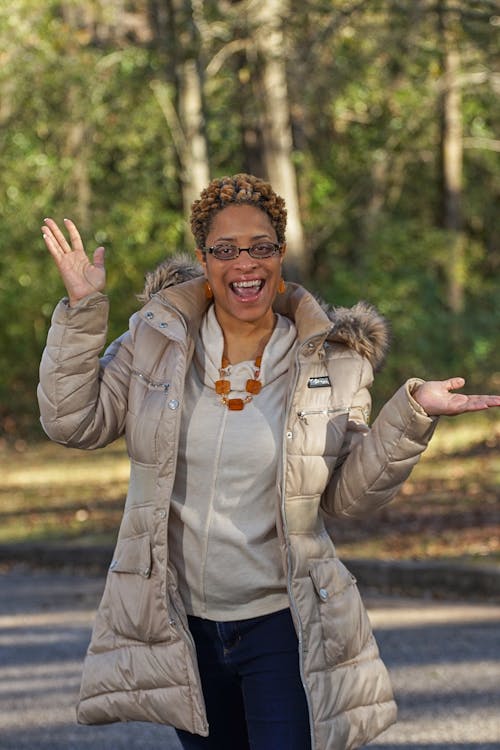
[[444, 659]]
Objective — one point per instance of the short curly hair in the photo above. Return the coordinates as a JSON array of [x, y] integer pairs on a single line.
[[240, 189]]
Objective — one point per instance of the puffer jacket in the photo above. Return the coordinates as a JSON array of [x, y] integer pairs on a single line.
[[141, 663]]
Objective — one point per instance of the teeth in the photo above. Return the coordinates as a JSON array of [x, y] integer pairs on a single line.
[[246, 284]]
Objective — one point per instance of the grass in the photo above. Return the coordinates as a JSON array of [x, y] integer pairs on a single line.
[[53, 493], [449, 508]]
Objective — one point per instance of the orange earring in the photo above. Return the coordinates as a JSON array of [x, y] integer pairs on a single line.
[[208, 291], [281, 286]]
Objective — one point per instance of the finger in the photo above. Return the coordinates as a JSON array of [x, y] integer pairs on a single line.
[[98, 259], [58, 235], [51, 243], [485, 402], [74, 235], [477, 403]]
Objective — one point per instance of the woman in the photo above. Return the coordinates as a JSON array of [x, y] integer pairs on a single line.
[[244, 403]]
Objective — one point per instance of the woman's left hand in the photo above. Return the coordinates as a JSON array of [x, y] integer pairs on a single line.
[[435, 398]]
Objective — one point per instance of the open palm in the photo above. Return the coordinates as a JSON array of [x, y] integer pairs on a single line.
[[436, 399], [80, 276]]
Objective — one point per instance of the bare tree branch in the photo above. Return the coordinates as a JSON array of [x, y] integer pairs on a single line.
[[221, 57], [488, 144]]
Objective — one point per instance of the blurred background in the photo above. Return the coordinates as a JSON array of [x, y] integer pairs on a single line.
[[379, 123]]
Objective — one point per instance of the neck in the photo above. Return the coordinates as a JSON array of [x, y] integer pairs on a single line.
[[246, 341]]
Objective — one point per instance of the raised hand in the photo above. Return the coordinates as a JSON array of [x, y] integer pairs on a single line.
[[80, 276], [435, 397]]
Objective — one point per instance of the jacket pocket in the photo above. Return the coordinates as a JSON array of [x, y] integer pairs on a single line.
[[345, 625], [129, 598]]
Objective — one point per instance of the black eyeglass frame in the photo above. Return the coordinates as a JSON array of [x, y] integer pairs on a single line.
[[276, 245]]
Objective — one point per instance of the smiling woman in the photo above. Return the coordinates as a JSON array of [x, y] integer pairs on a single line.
[[244, 286], [245, 406]]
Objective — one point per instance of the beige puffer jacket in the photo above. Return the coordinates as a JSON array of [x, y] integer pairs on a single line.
[[141, 662]]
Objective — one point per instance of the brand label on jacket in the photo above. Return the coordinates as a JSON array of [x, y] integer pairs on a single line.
[[319, 382]]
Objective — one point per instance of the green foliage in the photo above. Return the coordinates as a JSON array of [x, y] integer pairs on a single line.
[[83, 135], [403, 274]]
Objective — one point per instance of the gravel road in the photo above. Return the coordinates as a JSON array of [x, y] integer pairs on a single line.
[[444, 659]]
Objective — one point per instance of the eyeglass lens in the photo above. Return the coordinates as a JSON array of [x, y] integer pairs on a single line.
[[259, 250]]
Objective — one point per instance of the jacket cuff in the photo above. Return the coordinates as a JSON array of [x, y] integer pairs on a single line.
[[75, 317], [411, 386], [422, 424], [89, 301]]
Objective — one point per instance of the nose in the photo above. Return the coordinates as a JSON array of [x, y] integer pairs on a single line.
[[245, 260]]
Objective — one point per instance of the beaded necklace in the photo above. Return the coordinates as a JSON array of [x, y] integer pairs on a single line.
[[223, 385]]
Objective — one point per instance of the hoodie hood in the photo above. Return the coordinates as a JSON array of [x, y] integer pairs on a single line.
[[361, 327]]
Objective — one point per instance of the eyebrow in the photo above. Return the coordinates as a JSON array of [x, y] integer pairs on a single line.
[[255, 237]]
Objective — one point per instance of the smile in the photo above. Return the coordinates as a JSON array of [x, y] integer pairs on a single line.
[[247, 289]]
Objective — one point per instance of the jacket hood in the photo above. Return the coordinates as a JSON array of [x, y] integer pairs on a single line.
[[172, 271], [361, 327]]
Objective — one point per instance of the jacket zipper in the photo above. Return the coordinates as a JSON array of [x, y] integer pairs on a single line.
[[185, 632], [185, 629], [303, 414], [293, 604], [152, 384]]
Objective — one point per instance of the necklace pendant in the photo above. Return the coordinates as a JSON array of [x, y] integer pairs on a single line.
[[254, 387], [235, 404], [222, 387]]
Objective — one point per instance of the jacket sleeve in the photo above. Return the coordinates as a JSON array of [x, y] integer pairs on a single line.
[[82, 398], [376, 461]]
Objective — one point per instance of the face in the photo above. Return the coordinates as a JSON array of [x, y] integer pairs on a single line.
[[244, 288]]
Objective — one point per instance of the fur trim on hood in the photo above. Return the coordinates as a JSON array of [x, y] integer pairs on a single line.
[[360, 327], [172, 271]]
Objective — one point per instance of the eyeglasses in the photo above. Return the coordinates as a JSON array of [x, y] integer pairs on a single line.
[[259, 251]]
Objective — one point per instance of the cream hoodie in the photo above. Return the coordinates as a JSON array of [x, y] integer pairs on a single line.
[[222, 528]]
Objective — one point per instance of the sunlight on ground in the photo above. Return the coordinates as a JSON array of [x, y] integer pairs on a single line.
[[458, 433], [449, 507], [50, 464]]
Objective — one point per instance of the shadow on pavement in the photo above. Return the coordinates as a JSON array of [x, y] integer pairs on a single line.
[[446, 671], [136, 736], [437, 746]]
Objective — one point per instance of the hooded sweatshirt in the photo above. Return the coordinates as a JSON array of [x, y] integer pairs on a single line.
[[223, 537]]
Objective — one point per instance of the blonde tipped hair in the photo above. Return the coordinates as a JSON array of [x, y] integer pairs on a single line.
[[244, 189]]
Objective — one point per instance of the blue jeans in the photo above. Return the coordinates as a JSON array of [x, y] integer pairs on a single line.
[[251, 684]]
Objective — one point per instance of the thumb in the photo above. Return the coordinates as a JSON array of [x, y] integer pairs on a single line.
[[98, 258], [453, 383]]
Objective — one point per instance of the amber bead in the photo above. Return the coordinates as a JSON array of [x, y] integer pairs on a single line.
[[253, 387], [235, 404], [222, 387]]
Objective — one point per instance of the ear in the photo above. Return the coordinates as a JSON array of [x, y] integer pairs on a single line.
[[201, 257], [283, 251]]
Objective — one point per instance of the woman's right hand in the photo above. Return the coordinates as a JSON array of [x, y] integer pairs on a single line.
[[80, 276]]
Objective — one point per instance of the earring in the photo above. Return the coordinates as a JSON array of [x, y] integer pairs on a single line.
[[281, 286], [208, 291]]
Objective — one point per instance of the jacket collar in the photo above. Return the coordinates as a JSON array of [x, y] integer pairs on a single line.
[[178, 287], [188, 301]]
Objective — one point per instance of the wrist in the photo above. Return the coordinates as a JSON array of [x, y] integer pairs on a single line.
[[74, 302], [414, 386]]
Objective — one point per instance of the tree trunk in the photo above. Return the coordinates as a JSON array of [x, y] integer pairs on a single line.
[[178, 37], [78, 150], [195, 171], [276, 127], [452, 162], [79, 132]]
